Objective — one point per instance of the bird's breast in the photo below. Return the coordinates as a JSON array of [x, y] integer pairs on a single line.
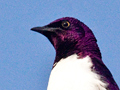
[[72, 73]]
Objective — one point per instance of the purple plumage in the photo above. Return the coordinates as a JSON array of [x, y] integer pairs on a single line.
[[70, 36]]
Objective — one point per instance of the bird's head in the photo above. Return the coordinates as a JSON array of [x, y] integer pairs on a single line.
[[68, 36]]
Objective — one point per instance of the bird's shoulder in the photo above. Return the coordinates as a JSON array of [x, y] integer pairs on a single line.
[[100, 68]]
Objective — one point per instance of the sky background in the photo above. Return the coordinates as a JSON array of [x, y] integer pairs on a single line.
[[26, 57]]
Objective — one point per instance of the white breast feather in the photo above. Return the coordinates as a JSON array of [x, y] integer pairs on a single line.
[[72, 73]]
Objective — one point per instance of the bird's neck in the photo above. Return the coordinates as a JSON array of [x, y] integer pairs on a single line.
[[82, 48]]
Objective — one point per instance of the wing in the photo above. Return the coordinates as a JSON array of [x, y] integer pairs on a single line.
[[106, 75]]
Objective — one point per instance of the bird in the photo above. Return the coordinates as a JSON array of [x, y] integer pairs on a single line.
[[78, 62]]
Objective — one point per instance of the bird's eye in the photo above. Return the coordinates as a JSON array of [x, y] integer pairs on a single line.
[[65, 24]]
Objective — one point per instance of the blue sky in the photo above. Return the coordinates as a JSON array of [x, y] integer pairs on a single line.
[[26, 57]]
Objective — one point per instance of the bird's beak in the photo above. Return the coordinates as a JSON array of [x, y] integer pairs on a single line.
[[44, 29]]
